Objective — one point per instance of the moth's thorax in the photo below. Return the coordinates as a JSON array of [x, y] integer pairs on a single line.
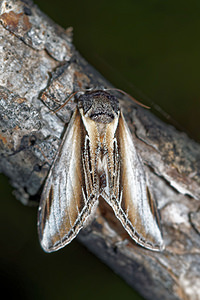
[[99, 106], [101, 129], [101, 135]]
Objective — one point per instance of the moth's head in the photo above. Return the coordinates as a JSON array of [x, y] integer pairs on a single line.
[[100, 106]]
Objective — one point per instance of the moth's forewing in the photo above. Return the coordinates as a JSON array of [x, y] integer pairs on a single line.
[[68, 198], [130, 197]]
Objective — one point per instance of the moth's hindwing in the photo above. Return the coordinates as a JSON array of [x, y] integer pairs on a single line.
[[68, 198], [129, 195]]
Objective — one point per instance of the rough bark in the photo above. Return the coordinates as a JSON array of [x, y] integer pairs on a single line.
[[39, 68]]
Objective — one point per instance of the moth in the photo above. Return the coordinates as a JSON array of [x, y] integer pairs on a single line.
[[97, 161]]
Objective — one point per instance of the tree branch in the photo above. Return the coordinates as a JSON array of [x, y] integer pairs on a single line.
[[38, 65]]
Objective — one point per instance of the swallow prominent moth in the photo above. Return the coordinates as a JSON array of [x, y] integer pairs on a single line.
[[97, 161]]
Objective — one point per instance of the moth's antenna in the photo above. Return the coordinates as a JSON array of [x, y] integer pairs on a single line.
[[128, 95], [70, 97], [109, 89]]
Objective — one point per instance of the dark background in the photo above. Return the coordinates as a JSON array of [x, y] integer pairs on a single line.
[[147, 48]]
